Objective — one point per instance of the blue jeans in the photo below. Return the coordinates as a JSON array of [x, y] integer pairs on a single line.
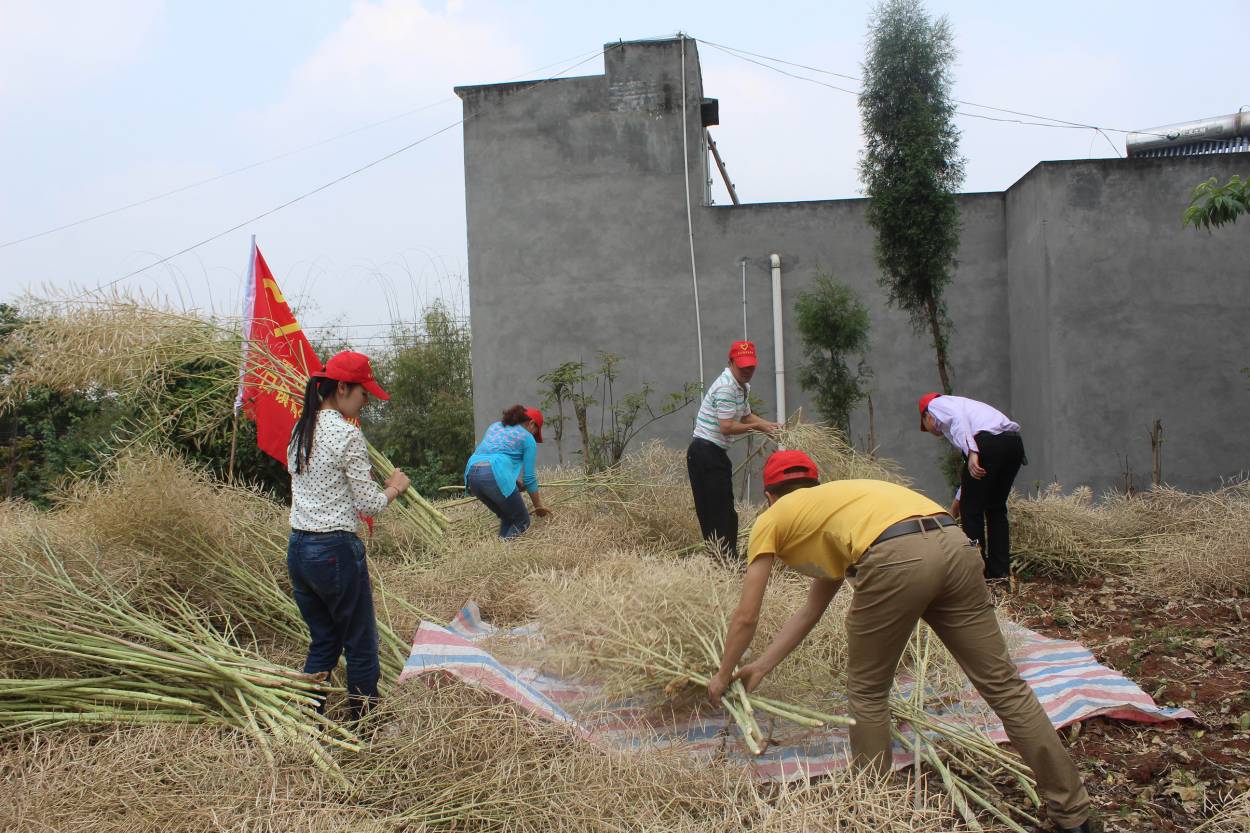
[[514, 518], [332, 590]]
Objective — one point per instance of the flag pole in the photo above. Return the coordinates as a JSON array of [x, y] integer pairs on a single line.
[[249, 288]]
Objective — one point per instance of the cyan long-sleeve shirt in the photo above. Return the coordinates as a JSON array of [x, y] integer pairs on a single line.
[[510, 450]]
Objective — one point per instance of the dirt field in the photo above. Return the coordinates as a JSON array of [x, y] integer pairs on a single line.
[[1192, 653]]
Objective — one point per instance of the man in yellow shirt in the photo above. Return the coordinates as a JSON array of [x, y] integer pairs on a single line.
[[907, 560]]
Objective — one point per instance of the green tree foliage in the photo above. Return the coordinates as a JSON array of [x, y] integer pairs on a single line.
[[833, 325], [1213, 205], [50, 435], [427, 426], [559, 387], [911, 165]]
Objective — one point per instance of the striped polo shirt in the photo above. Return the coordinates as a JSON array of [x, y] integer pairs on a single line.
[[725, 399]]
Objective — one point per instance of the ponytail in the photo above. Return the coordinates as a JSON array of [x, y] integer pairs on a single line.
[[515, 415], [302, 435]]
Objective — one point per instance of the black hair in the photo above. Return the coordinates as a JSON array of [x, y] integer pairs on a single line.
[[785, 487], [515, 415], [315, 392]]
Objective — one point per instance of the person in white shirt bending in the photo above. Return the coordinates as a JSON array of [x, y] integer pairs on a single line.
[[331, 489], [991, 445]]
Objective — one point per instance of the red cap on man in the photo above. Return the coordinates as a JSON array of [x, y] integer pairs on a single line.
[[788, 465], [537, 416], [924, 405], [742, 354], [352, 368]]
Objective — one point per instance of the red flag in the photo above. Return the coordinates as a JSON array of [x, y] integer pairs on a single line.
[[277, 360]]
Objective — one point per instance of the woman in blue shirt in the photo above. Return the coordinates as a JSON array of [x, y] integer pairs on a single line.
[[502, 463]]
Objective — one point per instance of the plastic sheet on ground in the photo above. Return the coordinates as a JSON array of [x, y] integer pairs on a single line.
[[1071, 685]]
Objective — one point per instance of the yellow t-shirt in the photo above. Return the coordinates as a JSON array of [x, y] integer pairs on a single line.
[[822, 530]]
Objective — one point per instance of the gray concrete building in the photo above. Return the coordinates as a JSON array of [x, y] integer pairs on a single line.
[[1081, 307]]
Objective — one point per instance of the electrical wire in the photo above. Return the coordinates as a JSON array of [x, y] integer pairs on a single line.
[[253, 165], [329, 184], [1050, 121]]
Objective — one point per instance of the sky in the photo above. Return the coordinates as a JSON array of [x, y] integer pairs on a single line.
[[107, 104]]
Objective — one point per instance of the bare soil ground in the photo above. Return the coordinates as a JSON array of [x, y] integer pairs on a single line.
[[1192, 652]]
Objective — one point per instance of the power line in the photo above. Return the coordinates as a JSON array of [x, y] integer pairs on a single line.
[[329, 184], [215, 178], [1050, 121], [119, 209]]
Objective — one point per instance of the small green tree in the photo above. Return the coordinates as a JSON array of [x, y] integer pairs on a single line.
[[620, 417], [911, 165], [426, 428], [833, 325], [1213, 205], [559, 387]]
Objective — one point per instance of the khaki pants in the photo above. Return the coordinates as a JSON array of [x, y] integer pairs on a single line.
[[936, 576]]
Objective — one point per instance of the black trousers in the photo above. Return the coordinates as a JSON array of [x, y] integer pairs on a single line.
[[711, 481], [983, 503]]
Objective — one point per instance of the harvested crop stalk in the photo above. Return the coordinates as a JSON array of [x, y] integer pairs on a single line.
[[141, 352], [140, 666]]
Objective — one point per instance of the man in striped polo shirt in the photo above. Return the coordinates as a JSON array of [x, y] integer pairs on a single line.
[[725, 412]]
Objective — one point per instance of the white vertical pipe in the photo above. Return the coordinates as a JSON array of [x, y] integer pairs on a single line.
[[745, 337], [779, 351], [685, 156], [746, 474]]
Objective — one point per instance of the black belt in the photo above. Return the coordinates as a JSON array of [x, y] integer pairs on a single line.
[[907, 527], [932, 523]]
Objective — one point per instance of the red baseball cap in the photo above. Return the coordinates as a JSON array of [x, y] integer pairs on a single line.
[[742, 354], [537, 417], [788, 465], [352, 368], [924, 405]]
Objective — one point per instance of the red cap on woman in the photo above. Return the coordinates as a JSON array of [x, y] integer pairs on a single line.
[[537, 417], [352, 368]]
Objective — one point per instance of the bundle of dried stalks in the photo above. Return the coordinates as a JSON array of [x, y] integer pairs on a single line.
[[1055, 534], [835, 457], [610, 625], [223, 547], [1166, 539], [653, 633], [1194, 542], [181, 370], [86, 653], [447, 758]]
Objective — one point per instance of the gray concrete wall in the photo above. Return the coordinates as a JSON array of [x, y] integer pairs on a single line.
[[1120, 316], [1067, 304], [833, 237]]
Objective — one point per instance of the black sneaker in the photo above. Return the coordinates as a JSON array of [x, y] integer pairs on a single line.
[[1087, 826]]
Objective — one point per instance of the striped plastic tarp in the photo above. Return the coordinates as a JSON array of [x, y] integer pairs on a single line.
[[1071, 685]]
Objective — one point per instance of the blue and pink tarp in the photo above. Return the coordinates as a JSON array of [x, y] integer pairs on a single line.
[[1071, 685]]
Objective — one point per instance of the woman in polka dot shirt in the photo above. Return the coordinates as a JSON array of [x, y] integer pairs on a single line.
[[331, 489]]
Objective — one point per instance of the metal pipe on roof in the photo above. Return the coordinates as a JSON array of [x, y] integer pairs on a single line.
[[1232, 126]]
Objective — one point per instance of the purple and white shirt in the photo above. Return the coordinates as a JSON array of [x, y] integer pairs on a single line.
[[960, 419]]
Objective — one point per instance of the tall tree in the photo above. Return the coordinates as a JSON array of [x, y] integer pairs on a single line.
[[911, 165], [833, 325]]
